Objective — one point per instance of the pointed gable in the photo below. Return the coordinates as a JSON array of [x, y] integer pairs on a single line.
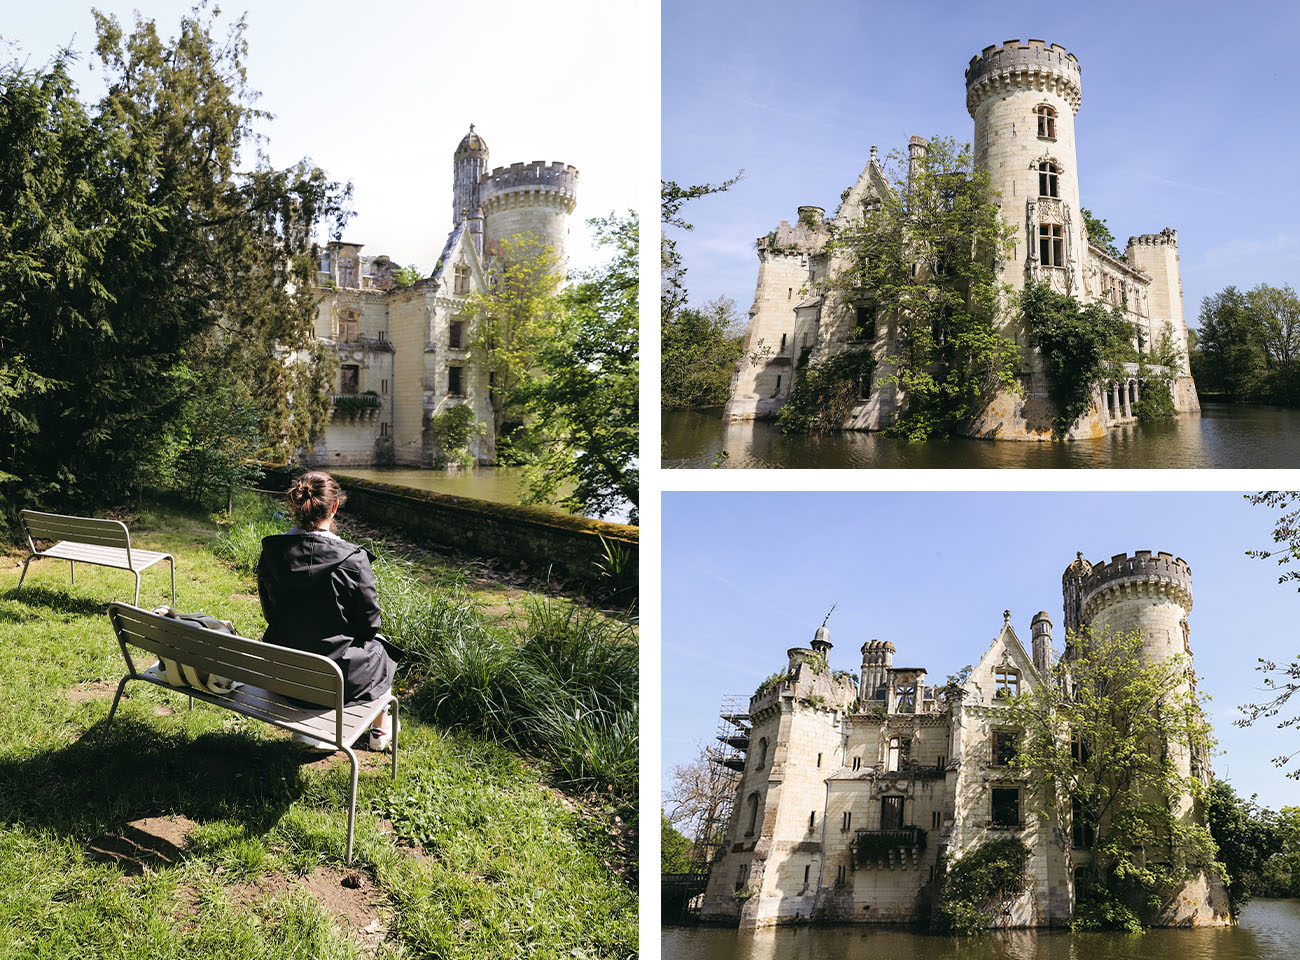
[[871, 184], [1006, 655]]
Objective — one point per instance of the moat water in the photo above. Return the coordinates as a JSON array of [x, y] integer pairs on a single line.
[[1269, 930], [496, 484], [1225, 435]]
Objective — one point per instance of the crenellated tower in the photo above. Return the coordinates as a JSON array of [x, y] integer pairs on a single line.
[[877, 661], [467, 169], [1147, 592], [1023, 98], [529, 198]]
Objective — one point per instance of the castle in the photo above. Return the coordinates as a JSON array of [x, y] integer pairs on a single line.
[[1023, 98], [404, 353], [923, 773]]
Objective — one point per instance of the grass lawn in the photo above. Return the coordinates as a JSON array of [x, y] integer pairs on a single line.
[[200, 833]]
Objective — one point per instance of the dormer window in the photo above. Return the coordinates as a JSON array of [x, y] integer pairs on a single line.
[[1008, 684], [1047, 174], [1046, 121]]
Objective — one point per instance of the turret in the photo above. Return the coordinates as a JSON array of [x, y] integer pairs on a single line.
[[1041, 629], [1023, 98], [467, 170], [822, 641], [1147, 592], [917, 148], [877, 661], [1157, 255], [528, 198], [1072, 581]]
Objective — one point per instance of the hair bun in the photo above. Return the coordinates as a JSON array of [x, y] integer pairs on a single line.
[[313, 497]]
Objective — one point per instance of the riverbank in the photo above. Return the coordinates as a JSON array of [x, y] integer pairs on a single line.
[[1224, 436], [202, 834]]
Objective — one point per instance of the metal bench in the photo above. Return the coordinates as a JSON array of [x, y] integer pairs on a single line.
[[296, 691], [106, 543]]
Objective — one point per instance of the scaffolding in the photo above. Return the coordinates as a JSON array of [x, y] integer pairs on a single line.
[[726, 764]]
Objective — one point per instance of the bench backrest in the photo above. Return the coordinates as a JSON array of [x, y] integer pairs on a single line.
[[307, 677], [92, 530]]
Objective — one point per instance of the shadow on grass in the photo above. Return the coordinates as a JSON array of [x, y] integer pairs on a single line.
[[56, 601], [87, 789]]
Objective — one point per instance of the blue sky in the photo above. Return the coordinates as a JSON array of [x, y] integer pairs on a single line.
[[1187, 111], [381, 95], [748, 575]]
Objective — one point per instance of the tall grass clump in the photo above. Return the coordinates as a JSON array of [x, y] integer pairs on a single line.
[[252, 518]]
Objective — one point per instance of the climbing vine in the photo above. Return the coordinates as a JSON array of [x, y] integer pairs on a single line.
[[1078, 344], [976, 891], [826, 392]]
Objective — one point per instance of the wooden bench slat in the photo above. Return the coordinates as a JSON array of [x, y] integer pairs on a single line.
[[103, 556], [93, 530]]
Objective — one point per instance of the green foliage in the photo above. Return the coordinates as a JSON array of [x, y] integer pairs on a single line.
[[352, 404], [1155, 400], [1099, 234], [1281, 681], [1247, 838], [673, 197], [1134, 717], [452, 430], [699, 348], [826, 392], [1248, 345], [674, 849], [1098, 907], [772, 681], [135, 250], [582, 402], [925, 258], [407, 276], [1076, 342], [976, 890]]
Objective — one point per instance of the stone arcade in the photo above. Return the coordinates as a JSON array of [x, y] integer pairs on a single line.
[[827, 760], [404, 354], [1023, 98]]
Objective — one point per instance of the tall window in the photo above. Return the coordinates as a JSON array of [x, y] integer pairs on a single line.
[[864, 323], [857, 763], [461, 279], [891, 813], [753, 814], [1084, 832], [1051, 248], [348, 326], [1046, 121], [840, 875], [864, 385], [1047, 173], [905, 697], [1004, 747], [349, 376], [455, 388], [899, 749], [846, 820], [456, 335], [762, 754], [1006, 807], [742, 876]]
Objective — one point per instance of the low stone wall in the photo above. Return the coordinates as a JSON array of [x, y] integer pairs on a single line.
[[528, 537]]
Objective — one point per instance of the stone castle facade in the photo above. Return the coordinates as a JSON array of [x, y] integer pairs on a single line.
[[1023, 99], [404, 353], [828, 761]]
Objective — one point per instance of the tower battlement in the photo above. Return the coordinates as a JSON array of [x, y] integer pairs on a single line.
[[537, 179], [1168, 237], [1162, 571], [1030, 65]]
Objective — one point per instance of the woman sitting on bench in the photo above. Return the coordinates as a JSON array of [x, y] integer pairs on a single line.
[[318, 595]]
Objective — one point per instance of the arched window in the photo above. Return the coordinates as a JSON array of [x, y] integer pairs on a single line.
[[753, 814], [1047, 172], [762, 754], [1046, 121]]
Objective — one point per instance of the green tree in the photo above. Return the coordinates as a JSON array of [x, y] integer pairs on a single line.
[[1247, 837], [407, 276], [699, 348], [1105, 734], [1099, 234], [674, 849], [581, 401], [673, 197], [926, 256], [135, 247], [1281, 681], [515, 319], [1078, 344]]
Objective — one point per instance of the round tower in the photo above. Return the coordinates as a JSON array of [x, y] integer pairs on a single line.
[[528, 198], [877, 659], [1146, 592], [1023, 98], [467, 168], [1072, 592]]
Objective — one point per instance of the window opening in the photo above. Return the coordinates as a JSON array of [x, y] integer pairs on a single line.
[[1046, 121], [891, 813], [1047, 174]]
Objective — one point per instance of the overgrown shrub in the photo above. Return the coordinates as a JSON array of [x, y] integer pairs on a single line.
[[452, 430], [977, 889], [825, 393], [1156, 401]]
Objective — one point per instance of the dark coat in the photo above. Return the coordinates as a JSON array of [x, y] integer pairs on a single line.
[[318, 595]]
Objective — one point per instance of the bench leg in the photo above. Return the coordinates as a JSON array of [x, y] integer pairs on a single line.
[[113, 709], [24, 576], [171, 562], [352, 802], [136, 601], [72, 565]]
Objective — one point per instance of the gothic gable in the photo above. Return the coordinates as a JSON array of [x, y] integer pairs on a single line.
[[1005, 662]]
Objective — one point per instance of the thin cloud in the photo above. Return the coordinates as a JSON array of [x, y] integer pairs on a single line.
[[801, 117], [1194, 187]]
